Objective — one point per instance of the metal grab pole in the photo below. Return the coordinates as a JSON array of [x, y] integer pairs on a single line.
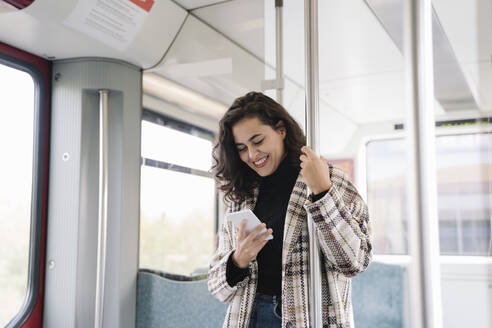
[[103, 207], [425, 290], [278, 50], [312, 134]]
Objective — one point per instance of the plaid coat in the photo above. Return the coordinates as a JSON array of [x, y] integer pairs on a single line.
[[343, 231]]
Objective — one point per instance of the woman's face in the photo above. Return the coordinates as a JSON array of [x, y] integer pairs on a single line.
[[259, 145]]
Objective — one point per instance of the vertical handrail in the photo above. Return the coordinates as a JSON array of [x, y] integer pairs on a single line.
[[312, 134], [279, 50], [425, 287], [103, 208]]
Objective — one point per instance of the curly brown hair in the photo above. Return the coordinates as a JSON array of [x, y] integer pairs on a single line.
[[235, 178]]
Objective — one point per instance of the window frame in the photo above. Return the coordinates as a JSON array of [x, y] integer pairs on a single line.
[[172, 123], [30, 314], [399, 133]]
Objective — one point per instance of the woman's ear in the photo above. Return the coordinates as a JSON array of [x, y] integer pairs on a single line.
[[280, 127]]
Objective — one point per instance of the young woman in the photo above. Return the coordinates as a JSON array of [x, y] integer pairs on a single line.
[[262, 164]]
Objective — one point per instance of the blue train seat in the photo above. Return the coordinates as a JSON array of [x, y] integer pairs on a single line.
[[377, 296], [164, 301]]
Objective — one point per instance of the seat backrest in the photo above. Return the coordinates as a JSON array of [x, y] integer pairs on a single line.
[[162, 302], [377, 296]]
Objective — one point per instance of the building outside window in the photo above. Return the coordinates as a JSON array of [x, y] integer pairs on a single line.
[[464, 184]]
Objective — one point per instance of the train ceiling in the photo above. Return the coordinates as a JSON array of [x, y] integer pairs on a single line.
[[222, 49]]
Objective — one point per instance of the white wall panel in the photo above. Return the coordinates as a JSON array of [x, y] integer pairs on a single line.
[[73, 202]]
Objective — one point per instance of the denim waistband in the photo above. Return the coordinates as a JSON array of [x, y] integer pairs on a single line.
[[260, 297]]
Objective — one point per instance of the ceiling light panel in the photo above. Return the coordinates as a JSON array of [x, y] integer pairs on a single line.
[[468, 26], [200, 46], [240, 20], [361, 70], [192, 4]]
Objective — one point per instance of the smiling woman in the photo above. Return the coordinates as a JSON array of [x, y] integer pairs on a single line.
[[260, 146], [262, 164], [239, 130]]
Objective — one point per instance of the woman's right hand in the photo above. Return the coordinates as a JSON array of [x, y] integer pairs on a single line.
[[248, 246]]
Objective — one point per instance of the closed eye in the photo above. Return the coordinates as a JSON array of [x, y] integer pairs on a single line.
[[258, 142]]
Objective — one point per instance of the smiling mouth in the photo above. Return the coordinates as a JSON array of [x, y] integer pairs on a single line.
[[261, 162]]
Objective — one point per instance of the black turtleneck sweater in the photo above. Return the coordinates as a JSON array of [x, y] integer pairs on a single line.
[[270, 208]]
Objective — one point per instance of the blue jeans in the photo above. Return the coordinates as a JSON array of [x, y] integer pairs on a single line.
[[267, 312]]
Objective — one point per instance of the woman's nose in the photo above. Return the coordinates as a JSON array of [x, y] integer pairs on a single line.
[[252, 152]]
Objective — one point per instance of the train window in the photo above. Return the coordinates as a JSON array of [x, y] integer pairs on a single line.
[[170, 152], [178, 197], [464, 186], [386, 195], [17, 100]]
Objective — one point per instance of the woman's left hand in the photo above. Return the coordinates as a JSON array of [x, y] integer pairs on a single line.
[[315, 171]]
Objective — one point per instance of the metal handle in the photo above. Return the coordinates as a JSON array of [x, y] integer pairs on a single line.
[[425, 287], [103, 207], [278, 50], [312, 133]]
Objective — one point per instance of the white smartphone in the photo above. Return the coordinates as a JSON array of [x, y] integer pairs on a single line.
[[252, 221]]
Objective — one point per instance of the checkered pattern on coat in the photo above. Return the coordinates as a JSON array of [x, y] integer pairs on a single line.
[[343, 230]]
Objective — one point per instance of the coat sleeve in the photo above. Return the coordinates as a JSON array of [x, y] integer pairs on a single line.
[[217, 278], [342, 225]]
